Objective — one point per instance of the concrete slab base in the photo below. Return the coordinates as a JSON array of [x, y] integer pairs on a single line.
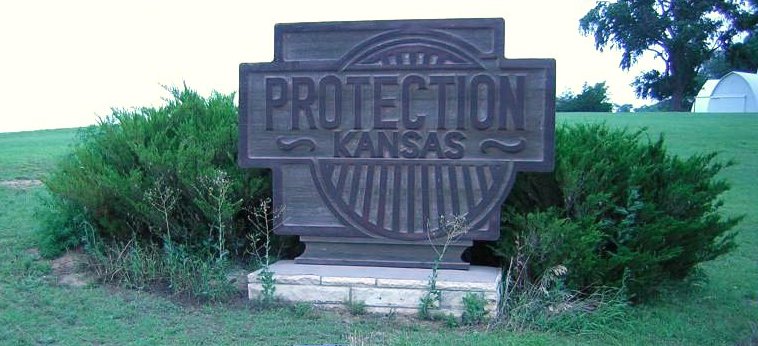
[[381, 289]]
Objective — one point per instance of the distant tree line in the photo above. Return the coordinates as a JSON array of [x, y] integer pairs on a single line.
[[591, 99]]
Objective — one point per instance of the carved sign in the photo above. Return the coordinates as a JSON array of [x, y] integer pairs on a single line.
[[377, 132]]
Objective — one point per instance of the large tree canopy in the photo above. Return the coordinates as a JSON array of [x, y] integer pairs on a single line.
[[682, 33]]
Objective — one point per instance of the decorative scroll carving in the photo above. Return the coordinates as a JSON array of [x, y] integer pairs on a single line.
[[289, 144], [506, 147]]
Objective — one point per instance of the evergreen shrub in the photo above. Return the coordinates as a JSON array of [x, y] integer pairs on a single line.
[[166, 176], [618, 211]]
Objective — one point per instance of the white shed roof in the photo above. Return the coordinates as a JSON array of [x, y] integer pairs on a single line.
[[704, 95], [751, 79], [708, 87], [734, 92]]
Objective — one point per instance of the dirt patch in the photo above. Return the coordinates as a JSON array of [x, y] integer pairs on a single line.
[[33, 253], [20, 183], [71, 269], [752, 338]]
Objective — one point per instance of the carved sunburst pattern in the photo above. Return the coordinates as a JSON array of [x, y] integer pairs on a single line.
[[413, 56], [414, 52], [404, 200]]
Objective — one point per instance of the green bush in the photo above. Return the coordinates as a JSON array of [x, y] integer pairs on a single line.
[[166, 174], [618, 211], [591, 99], [167, 177]]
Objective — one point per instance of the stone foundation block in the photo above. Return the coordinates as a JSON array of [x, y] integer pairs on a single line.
[[381, 289], [387, 297], [304, 293]]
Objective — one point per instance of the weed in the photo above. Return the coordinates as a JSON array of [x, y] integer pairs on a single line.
[[264, 218], [356, 307], [450, 320], [361, 338], [145, 266], [163, 200], [303, 310], [548, 305], [474, 309], [213, 198], [268, 282], [453, 228], [195, 276]]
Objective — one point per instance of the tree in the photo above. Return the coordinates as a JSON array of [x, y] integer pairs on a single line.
[[660, 106], [743, 56], [682, 33], [591, 99], [717, 66], [738, 56], [625, 108]]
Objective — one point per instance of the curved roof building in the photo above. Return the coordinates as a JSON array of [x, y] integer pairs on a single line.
[[736, 92]]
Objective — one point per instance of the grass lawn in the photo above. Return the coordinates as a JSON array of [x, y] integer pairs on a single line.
[[718, 307], [28, 155]]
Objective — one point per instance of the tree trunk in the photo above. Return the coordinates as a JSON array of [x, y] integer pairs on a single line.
[[677, 92], [677, 98]]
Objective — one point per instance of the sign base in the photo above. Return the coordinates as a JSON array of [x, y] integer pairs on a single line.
[[381, 289], [381, 253]]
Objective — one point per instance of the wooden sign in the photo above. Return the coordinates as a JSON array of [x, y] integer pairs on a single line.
[[377, 132]]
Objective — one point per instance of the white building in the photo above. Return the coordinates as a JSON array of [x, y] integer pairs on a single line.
[[736, 92]]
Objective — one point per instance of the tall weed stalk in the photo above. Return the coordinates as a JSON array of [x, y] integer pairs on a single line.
[[452, 229], [264, 218]]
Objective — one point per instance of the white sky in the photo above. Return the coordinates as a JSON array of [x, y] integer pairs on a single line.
[[66, 63]]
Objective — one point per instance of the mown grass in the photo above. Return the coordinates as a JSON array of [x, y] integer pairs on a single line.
[[28, 155], [718, 307]]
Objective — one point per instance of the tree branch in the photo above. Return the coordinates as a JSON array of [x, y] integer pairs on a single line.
[[659, 53]]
